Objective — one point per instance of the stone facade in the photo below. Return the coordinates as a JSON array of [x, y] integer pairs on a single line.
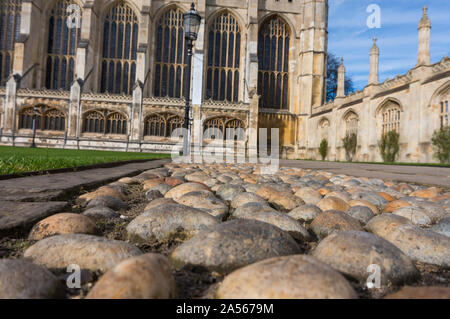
[[414, 104], [117, 82]]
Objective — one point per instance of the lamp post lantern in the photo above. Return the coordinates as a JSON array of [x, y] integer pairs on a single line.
[[33, 143], [191, 24]]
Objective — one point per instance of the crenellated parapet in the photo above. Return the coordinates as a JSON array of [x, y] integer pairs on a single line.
[[118, 98], [227, 106], [48, 94], [443, 65]]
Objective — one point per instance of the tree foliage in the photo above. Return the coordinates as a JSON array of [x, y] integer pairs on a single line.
[[333, 63], [323, 149], [350, 142], [441, 143], [389, 146]]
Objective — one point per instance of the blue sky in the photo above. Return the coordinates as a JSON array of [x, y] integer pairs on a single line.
[[350, 38]]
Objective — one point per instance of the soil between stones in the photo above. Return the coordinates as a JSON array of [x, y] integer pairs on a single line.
[[193, 282]]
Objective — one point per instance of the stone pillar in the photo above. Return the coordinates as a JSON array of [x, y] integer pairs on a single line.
[[374, 63], [197, 133], [367, 133], [252, 131], [310, 80], [423, 57], [197, 81], [251, 80], [312, 57], [74, 114], [341, 80], [142, 61], [86, 55], [136, 113], [12, 86]]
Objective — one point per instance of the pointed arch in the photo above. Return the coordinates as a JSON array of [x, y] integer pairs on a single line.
[[162, 124], [116, 123], [285, 19], [441, 101], [228, 128], [48, 118], [351, 121], [94, 122], [390, 113], [213, 16], [105, 6], [54, 120], [26, 116], [444, 89], [387, 101], [348, 112], [274, 41]]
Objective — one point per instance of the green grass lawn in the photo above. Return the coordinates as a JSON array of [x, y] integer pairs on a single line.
[[14, 160]]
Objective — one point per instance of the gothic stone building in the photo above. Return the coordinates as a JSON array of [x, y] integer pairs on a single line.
[[114, 79]]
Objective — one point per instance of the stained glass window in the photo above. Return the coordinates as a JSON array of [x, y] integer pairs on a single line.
[[47, 119], [233, 128], [169, 55], [224, 54], [9, 31], [162, 124], [273, 57], [120, 32], [61, 48]]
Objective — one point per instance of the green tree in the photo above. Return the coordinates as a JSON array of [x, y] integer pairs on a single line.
[[323, 149], [441, 143], [389, 146], [350, 142]]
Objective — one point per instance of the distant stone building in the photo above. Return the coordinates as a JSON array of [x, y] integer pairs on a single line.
[[414, 105], [117, 81]]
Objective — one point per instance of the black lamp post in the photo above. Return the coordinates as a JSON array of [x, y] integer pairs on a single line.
[[191, 26], [33, 143]]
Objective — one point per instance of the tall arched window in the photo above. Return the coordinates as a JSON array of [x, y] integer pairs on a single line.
[[120, 36], [224, 56], [391, 118], [351, 123], [61, 48], [162, 124], [273, 57], [9, 31], [169, 55]]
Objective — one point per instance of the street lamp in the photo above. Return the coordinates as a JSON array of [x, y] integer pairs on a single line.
[[191, 24], [33, 143]]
